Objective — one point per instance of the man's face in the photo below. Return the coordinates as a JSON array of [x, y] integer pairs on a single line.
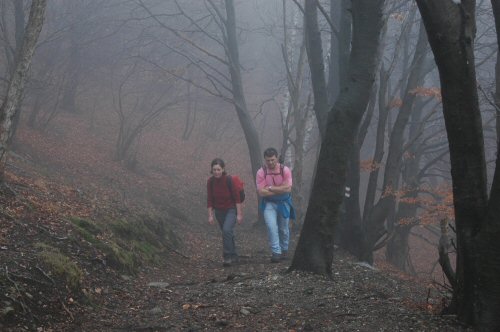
[[271, 162]]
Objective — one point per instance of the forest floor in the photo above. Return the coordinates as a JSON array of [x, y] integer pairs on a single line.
[[187, 288], [257, 295], [190, 290]]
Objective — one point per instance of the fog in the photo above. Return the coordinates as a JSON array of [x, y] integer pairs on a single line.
[[162, 86]]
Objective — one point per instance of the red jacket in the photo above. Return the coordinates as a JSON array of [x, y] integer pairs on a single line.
[[220, 196]]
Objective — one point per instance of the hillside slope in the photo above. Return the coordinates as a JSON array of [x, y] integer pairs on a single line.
[[87, 245]]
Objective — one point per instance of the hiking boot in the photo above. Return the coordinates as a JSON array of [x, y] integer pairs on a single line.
[[275, 258], [227, 262], [284, 255]]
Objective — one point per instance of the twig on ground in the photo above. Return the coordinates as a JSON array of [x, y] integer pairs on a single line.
[[29, 279], [57, 291], [20, 295], [45, 274]]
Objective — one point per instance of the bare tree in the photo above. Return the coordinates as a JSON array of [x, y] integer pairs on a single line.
[[316, 63], [451, 28], [297, 118], [137, 107], [376, 216], [17, 81], [221, 71], [315, 248]]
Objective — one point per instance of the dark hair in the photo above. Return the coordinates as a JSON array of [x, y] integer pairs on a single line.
[[220, 162], [270, 152]]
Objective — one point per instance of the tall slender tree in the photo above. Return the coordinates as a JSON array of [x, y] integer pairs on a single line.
[[18, 78]]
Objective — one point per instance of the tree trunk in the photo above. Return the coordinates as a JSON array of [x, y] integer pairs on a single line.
[[451, 31], [315, 55], [387, 204], [251, 135], [397, 247], [488, 239], [19, 34], [350, 233], [378, 154], [345, 36], [314, 250], [496, 12], [17, 81], [73, 72]]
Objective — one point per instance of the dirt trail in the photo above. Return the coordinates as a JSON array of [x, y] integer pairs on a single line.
[[198, 294]]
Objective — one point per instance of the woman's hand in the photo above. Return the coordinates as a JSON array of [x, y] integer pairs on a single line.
[[211, 219], [239, 218]]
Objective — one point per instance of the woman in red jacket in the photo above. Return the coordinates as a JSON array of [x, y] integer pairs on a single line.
[[224, 203]]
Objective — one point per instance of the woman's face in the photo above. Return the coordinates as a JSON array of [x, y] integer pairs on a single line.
[[217, 171]]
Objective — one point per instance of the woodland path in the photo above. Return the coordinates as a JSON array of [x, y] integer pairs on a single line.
[[195, 293]]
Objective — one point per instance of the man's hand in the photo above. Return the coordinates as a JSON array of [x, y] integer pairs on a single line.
[[239, 218], [264, 192], [211, 220]]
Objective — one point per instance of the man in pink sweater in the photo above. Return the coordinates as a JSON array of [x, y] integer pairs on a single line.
[[274, 185]]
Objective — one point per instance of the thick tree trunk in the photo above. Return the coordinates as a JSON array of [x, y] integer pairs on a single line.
[[398, 249], [17, 82], [488, 239], [345, 36], [350, 233], [340, 47], [333, 86], [451, 30], [315, 55], [315, 247], [496, 12]]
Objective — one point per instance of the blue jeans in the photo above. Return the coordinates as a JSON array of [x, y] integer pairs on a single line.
[[227, 221], [277, 229]]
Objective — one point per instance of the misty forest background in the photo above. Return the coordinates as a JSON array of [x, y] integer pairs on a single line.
[[392, 105]]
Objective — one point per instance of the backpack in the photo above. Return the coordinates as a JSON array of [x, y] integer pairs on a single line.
[[281, 170], [229, 182]]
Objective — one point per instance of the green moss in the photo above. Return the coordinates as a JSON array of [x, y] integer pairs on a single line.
[[128, 243], [60, 265], [125, 230], [120, 258], [146, 250], [86, 225], [87, 229]]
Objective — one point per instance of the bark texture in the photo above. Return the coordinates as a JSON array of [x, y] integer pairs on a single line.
[[315, 247], [451, 29], [488, 242], [17, 81], [315, 54]]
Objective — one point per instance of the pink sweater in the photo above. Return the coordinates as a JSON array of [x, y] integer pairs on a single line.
[[273, 177]]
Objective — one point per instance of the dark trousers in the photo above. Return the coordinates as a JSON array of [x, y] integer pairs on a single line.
[[227, 221]]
